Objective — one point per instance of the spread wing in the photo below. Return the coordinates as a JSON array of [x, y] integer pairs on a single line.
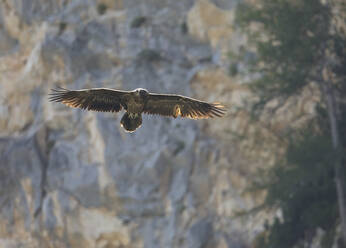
[[175, 105], [97, 99]]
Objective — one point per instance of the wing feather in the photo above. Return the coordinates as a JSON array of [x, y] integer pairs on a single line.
[[97, 99], [176, 105]]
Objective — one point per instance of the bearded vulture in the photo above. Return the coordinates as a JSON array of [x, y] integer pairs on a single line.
[[135, 103]]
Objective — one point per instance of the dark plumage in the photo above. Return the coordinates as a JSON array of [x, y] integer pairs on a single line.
[[135, 103]]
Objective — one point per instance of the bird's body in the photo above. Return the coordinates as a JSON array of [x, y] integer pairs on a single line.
[[135, 103]]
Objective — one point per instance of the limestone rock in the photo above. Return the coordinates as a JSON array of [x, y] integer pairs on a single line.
[[7, 43], [71, 178], [200, 233], [211, 24]]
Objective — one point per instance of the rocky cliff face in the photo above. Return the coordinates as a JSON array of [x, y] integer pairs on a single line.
[[70, 178]]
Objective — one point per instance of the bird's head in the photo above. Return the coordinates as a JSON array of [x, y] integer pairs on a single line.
[[141, 92]]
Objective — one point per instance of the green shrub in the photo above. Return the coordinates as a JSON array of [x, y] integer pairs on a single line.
[[138, 22], [102, 8], [302, 186]]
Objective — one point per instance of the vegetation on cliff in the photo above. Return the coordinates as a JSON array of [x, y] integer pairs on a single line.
[[297, 45]]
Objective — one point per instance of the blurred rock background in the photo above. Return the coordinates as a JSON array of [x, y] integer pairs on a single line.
[[70, 178]]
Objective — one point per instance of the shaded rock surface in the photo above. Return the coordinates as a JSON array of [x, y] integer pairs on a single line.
[[70, 178]]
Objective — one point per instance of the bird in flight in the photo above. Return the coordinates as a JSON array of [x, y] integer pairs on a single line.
[[135, 103]]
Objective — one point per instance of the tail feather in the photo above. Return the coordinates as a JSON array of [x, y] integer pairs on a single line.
[[131, 123]]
